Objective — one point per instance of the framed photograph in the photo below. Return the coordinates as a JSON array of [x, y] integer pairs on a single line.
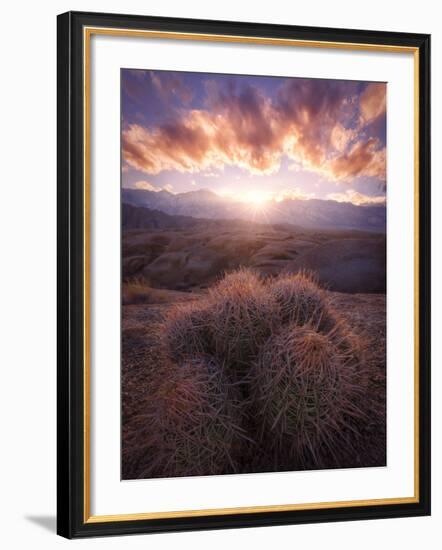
[[243, 274]]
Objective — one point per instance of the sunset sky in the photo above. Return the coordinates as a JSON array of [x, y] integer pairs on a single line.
[[254, 137]]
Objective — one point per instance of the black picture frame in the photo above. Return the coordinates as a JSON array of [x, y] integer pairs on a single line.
[[72, 515]]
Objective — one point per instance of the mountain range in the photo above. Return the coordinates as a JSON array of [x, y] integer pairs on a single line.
[[310, 213]]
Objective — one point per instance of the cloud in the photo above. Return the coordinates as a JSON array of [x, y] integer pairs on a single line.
[[201, 140], [133, 84], [292, 194], [373, 102], [170, 84], [211, 175], [365, 158], [356, 198], [340, 137], [309, 110], [265, 195], [295, 167], [308, 121], [145, 185]]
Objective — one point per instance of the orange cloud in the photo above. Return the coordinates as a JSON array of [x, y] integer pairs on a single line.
[[308, 121], [340, 137], [309, 111], [243, 131], [363, 159], [373, 102]]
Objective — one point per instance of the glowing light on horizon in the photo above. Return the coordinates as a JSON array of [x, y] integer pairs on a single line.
[[261, 197], [256, 201], [256, 197]]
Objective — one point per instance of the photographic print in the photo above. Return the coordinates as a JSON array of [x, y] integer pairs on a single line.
[[224, 354], [253, 274]]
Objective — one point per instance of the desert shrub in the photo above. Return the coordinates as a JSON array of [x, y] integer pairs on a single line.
[[242, 316], [306, 392], [191, 424], [300, 300]]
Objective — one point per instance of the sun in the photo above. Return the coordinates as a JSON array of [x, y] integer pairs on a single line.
[[257, 201], [259, 197], [256, 197]]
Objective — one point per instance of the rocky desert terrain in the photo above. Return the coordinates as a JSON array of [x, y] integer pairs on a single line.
[[185, 253]]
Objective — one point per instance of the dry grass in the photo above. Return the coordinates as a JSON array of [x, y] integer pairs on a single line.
[[137, 291]]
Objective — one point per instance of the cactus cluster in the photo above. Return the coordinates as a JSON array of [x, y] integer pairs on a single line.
[[256, 375]]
